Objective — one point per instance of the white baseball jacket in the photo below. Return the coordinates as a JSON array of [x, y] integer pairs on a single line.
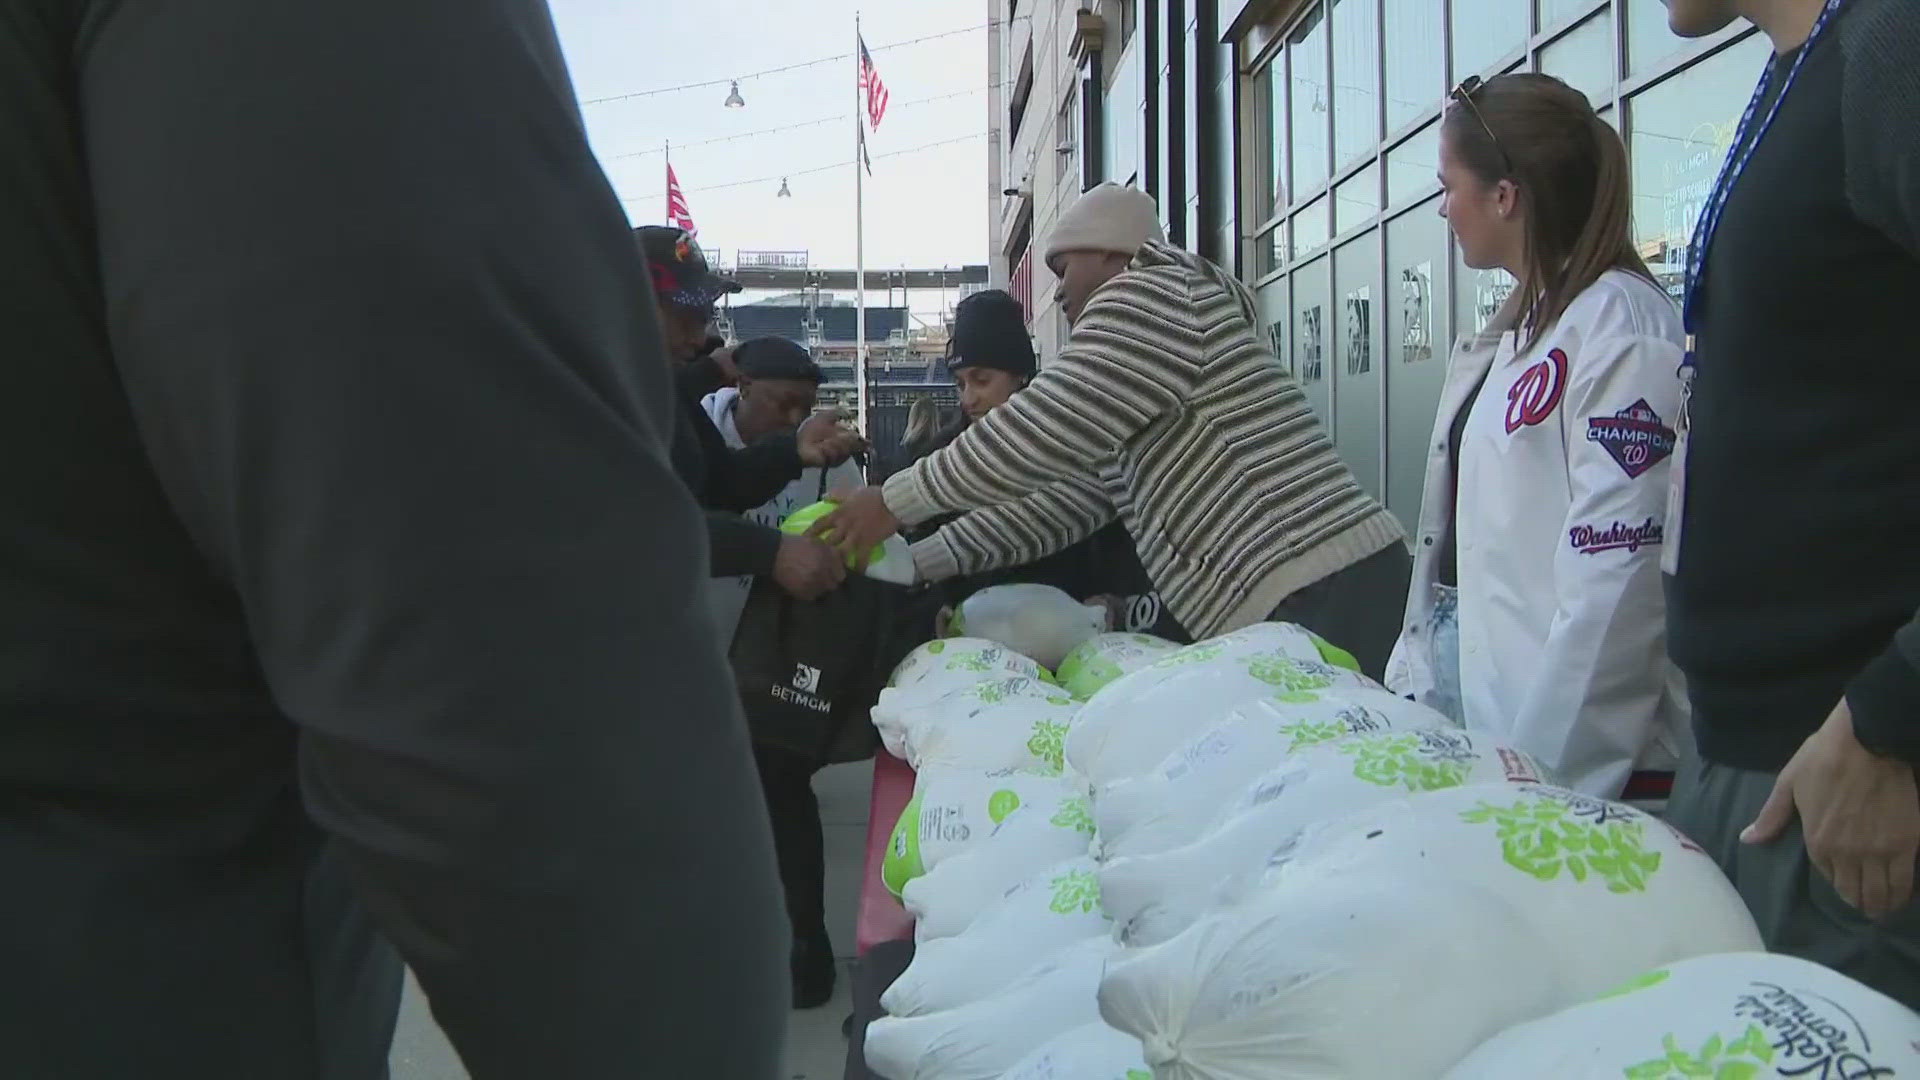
[[1562, 505]]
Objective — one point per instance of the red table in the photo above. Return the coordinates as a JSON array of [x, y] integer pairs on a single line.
[[881, 917]]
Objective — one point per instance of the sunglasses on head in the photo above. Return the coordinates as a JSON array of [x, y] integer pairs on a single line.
[[1464, 95]]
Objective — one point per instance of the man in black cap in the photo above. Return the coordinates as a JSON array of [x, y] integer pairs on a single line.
[[728, 482]]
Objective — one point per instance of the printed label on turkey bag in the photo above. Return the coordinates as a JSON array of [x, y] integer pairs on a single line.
[[1788, 1033], [1545, 834]]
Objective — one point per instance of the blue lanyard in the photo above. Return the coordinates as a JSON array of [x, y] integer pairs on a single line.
[[1736, 163]]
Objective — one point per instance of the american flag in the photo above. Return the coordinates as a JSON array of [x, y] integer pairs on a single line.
[[876, 90], [677, 213]]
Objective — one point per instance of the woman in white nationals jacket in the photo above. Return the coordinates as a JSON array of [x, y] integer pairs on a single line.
[[1536, 611]]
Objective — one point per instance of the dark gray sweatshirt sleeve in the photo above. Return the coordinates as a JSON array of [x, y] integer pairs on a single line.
[[1880, 102], [391, 352]]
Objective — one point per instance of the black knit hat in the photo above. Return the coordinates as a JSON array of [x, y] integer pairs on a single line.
[[776, 358], [990, 331]]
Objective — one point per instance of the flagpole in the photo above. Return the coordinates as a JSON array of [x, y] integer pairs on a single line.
[[668, 154], [859, 237]]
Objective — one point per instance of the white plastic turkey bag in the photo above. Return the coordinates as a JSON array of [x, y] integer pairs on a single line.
[[1037, 621], [937, 669], [1093, 1052], [1102, 659], [1010, 723], [1742, 1016], [1045, 913], [1037, 835], [1191, 789], [1364, 976], [1153, 897], [1133, 724], [983, 1040], [1612, 891], [955, 809]]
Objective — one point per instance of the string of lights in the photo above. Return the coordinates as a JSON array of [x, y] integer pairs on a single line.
[[815, 169], [842, 118]]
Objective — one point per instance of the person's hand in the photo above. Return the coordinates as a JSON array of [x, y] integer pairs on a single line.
[[1860, 813], [943, 622], [858, 523], [807, 568], [824, 443]]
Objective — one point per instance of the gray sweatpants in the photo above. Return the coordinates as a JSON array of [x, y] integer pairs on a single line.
[[1798, 910]]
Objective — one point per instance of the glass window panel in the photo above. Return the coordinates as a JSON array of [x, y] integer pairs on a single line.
[[1417, 344], [1306, 56], [1477, 294], [1274, 82], [1311, 330], [1555, 12], [1356, 200], [1416, 65], [1414, 165], [1486, 30], [1356, 78], [1682, 129], [1648, 39], [1273, 249], [1356, 368], [1584, 58], [1312, 227], [1120, 117], [1272, 300]]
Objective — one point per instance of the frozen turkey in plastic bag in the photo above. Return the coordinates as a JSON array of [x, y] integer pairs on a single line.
[[1739, 1016], [939, 668], [1035, 836], [1093, 1052], [1152, 897], [1361, 977], [1191, 789], [981, 1041], [955, 809], [1101, 659], [1131, 726], [1034, 620], [1048, 912], [1008, 723]]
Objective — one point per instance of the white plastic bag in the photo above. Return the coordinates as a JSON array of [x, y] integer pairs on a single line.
[[983, 1040], [1192, 789], [1136, 721], [1092, 1052], [1038, 621], [940, 668], [1612, 891], [1740, 1016], [1329, 977], [1008, 723], [953, 893], [1102, 659], [1153, 897], [1048, 912], [954, 809]]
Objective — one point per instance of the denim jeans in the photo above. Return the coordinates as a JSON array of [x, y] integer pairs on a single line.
[[1443, 630]]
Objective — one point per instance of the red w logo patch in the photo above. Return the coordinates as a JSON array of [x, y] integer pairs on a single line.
[[1537, 392]]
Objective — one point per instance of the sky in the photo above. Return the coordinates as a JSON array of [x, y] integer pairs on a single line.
[[923, 209]]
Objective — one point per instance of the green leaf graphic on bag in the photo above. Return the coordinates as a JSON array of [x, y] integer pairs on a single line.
[[1741, 1059], [1192, 654], [1049, 744], [1138, 1074], [1649, 980], [1395, 760], [1307, 733], [1073, 814], [1000, 804], [973, 661], [1540, 837], [1297, 681], [1078, 891]]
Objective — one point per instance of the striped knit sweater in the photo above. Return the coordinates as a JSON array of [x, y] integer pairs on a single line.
[[1167, 409]]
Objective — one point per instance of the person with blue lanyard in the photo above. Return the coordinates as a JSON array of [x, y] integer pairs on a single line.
[[1792, 580]]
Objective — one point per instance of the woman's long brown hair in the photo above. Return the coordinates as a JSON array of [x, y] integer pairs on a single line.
[[1571, 170]]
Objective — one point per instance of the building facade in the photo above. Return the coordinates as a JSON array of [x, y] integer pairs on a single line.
[[1296, 143]]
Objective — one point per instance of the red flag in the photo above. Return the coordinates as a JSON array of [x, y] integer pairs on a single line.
[[677, 212], [876, 90]]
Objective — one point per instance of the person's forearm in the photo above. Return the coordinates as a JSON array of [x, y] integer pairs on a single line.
[[1885, 699], [421, 434]]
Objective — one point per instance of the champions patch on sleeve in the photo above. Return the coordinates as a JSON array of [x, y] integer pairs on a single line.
[[1635, 436]]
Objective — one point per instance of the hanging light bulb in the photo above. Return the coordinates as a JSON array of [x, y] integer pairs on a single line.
[[783, 193], [734, 100]]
